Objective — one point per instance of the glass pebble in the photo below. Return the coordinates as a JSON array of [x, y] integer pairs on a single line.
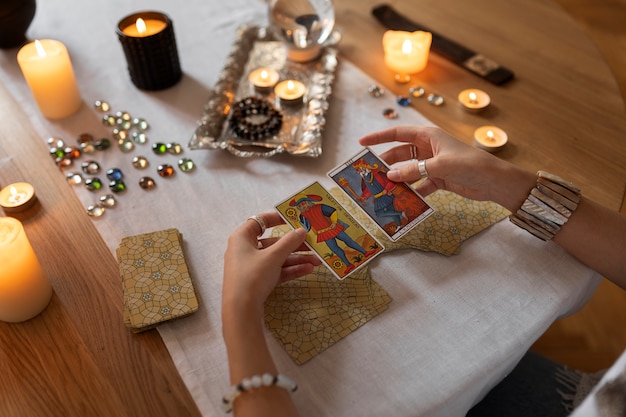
[[123, 124], [95, 211], [117, 186], [402, 78], [74, 178], [174, 148], [146, 183], [126, 145], [403, 101], [107, 200], [120, 134], [375, 90], [84, 138], [108, 120], [102, 144], [57, 152], [124, 115], [63, 162], [115, 174], [140, 162], [72, 152], [165, 170], [186, 164], [390, 113], [90, 167], [435, 99], [87, 147], [139, 137], [140, 123], [55, 142], [416, 91], [102, 106], [93, 184], [159, 148]]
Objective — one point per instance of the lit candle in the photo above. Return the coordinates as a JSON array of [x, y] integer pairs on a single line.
[[474, 100], [17, 197], [290, 91], [406, 52], [490, 138], [263, 79], [144, 27], [47, 68], [24, 289]]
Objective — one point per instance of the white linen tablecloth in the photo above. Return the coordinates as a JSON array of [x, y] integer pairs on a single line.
[[456, 325]]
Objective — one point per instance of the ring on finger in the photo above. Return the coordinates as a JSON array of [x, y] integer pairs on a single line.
[[421, 166], [260, 222], [413, 151]]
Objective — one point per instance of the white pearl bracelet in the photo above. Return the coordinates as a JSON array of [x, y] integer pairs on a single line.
[[254, 382]]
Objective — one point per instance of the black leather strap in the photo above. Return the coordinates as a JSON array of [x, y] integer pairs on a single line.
[[472, 61]]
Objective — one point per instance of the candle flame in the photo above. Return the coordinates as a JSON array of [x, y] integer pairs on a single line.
[[407, 46], [290, 85], [141, 25], [264, 75], [13, 190], [39, 47], [490, 135], [473, 97]]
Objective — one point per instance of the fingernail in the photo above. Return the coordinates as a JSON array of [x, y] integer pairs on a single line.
[[393, 174]]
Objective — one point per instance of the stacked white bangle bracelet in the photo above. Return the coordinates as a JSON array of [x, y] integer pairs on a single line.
[[548, 206], [257, 381]]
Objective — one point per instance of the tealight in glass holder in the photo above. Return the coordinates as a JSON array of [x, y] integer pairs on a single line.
[[303, 25]]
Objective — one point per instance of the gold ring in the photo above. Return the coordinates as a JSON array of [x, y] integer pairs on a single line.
[[260, 222]]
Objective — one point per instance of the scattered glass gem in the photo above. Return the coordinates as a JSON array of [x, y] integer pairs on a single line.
[[123, 124], [95, 211], [115, 174], [124, 115], [85, 142], [117, 186], [390, 113], [139, 137], [416, 91], [63, 162], [102, 106], [402, 78], [186, 164], [126, 145], [159, 148], [174, 148], [120, 134], [90, 167], [74, 178], [403, 101], [72, 152], [102, 144], [165, 170], [140, 123], [84, 138], [108, 120], [55, 142], [93, 184], [375, 90], [140, 162], [435, 99], [57, 152], [146, 183], [107, 200]]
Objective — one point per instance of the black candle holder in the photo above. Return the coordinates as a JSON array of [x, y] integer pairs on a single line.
[[152, 59]]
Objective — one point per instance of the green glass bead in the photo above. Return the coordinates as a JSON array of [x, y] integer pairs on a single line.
[[159, 148]]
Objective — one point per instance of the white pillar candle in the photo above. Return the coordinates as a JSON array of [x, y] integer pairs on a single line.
[[406, 52], [290, 92], [24, 288], [48, 71], [490, 138]]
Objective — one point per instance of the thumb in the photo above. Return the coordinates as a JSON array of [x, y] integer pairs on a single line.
[[289, 243]]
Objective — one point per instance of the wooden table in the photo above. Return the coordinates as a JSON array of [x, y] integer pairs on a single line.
[[563, 113]]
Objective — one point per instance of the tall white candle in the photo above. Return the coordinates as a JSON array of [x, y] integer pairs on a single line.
[[24, 288], [48, 71]]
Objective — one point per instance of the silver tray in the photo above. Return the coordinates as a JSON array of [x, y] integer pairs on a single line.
[[301, 132]]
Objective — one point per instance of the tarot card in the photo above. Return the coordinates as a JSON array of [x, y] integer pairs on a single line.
[[394, 206], [336, 237]]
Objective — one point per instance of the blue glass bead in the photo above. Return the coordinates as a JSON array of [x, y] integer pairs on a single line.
[[115, 174], [403, 101]]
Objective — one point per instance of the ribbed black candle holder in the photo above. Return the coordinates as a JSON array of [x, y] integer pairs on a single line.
[[152, 59]]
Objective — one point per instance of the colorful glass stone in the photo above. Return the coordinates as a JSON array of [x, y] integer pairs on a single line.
[[102, 144], [435, 99], [84, 138], [124, 115], [74, 178], [146, 183], [174, 148], [165, 170], [402, 78], [125, 145], [416, 91], [93, 184], [403, 101], [108, 120], [117, 186], [72, 152], [102, 106], [57, 152], [123, 124], [120, 134], [107, 200], [159, 148], [90, 167], [186, 164], [55, 142], [140, 162], [375, 90], [139, 137], [140, 124], [63, 162], [390, 113], [115, 174], [95, 211]]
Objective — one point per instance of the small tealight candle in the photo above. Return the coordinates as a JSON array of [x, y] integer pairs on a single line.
[[263, 79], [406, 52], [290, 91], [24, 288], [474, 100], [490, 138], [17, 197], [47, 68]]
